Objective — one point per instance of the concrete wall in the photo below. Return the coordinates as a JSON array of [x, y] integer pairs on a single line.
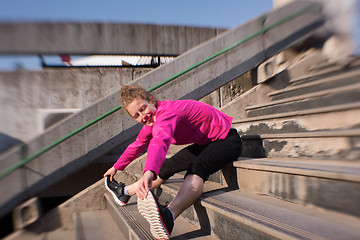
[[32, 101], [101, 38]]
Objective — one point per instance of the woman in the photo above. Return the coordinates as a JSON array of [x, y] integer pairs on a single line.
[[214, 145]]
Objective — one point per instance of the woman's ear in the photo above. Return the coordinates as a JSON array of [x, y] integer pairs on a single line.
[[152, 100]]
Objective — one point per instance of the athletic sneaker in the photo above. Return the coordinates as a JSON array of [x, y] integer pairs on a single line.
[[117, 191], [159, 217]]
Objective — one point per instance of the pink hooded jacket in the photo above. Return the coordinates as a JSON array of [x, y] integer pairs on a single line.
[[177, 122]]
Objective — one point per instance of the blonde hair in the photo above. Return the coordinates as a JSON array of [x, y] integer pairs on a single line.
[[131, 92]]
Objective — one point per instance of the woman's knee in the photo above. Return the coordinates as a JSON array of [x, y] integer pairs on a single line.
[[196, 182]]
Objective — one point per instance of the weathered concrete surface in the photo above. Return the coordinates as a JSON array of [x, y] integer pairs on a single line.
[[101, 38], [285, 61], [346, 96], [326, 184], [234, 213], [61, 218], [26, 213], [344, 146], [96, 140], [305, 121], [256, 95], [32, 100]]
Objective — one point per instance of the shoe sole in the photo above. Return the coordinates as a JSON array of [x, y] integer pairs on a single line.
[[148, 208], [117, 201]]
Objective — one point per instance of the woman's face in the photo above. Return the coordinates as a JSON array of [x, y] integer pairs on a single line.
[[142, 111]]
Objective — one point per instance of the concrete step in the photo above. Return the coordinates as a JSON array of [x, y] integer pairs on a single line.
[[304, 97], [128, 219], [232, 214], [334, 144], [324, 118], [328, 184], [323, 183], [335, 81], [343, 95], [351, 66], [51, 235], [134, 226], [94, 225]]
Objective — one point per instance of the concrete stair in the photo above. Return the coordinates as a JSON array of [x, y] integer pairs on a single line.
[[300, 157], [52, 235], [134, 226], [326, 184], [314, 117], [326, 69], [244, 212], [340, 88], [93, 225], [239, 214], [248, 213], [296, 179], [335, 144], [272, 198]]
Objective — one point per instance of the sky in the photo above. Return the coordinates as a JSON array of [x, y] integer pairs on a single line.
[[202, 13]]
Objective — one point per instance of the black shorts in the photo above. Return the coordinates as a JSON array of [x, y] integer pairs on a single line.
[[203, 160]]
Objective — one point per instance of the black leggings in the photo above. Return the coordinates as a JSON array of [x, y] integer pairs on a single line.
[[203, 160]]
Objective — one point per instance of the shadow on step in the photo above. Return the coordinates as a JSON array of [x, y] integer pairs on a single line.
[[252, 146], [190, 235], [203, 216]]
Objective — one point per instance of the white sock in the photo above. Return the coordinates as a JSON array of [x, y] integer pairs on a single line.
[[125, 191], [172, 214]]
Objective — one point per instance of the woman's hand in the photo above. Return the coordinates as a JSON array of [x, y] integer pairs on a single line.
[[110, 172], [145, 184]]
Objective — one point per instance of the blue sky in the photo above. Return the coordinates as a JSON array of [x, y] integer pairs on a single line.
[[206, 13]]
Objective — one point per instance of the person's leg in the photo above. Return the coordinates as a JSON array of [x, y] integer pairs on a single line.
[[131, 189], [161, 218], [177, 163], [188, 193], [122, 193], [210, 159]]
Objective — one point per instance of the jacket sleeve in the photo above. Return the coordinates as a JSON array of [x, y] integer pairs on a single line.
[[134, 149], [163, 133]]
